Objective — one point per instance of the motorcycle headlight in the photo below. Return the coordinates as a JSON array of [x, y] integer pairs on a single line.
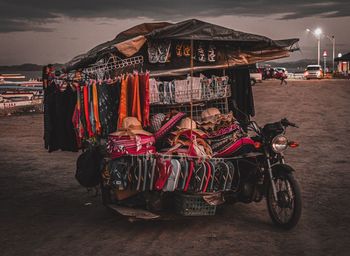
[[279, 144]]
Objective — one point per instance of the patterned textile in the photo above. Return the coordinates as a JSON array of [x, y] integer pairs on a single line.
[[86, 110], [108, 95], [166, 128], [230, 148], [145, 98], [118, 146], [95, 108]]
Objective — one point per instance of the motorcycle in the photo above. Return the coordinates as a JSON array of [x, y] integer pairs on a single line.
[[268, 175]]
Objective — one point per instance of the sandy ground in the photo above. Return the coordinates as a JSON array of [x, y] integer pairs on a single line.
[[43, 210]]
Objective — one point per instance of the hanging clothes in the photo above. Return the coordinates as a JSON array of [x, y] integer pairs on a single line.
[[86, 110], [136, 105], [68, 135], [130, 93], [82, 112], [108, 105], [95, 108], [51, 142], [145, 98], [76, 119], [123, 104], [91, 109], [59, 130], [242, 95]]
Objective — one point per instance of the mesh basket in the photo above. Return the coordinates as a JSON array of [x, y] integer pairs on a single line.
[[193, 205], [198, 107], [179, 91]]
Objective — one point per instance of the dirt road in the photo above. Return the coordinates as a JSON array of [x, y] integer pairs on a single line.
[[43, 211]]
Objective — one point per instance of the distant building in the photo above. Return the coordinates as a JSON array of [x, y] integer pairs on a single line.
[[343, 64]]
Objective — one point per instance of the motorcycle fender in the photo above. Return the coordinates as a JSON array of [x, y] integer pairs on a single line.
[[278, 169], [282, 168]]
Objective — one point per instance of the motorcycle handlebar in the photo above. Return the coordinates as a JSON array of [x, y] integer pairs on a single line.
[[286, 123]]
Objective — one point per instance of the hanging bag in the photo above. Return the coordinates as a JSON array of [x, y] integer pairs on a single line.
[[88, 172]]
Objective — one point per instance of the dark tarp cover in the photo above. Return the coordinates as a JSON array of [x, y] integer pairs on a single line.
[[238, 47]]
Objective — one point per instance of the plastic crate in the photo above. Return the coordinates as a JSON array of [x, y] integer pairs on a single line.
[[193, 205]]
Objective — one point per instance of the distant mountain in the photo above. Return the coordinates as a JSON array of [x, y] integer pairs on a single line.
[[294, 66], [26, 67]]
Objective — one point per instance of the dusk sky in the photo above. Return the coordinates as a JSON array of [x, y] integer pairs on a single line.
[[33, 31]]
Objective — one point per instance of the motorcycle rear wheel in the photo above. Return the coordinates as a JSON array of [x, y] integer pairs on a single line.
[[286, 211]]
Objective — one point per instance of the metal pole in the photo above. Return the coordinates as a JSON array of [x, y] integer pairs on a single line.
[[318, 50], [191, 97], [333, 53], [324, 64]]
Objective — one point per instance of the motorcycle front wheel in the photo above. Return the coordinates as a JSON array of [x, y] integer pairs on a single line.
[[286, 211]]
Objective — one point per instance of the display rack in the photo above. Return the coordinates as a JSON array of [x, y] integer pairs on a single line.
[[112, 64]]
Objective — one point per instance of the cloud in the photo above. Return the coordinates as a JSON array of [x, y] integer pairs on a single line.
[[35, 15], [13, 25]]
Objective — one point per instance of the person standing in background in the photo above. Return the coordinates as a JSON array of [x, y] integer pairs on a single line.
[[45, 77], [51, 72], [283, 77]]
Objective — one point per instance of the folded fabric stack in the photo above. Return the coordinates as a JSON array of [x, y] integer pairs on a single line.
[[188, 140], [224, 134], [131, 139], [183, 90]]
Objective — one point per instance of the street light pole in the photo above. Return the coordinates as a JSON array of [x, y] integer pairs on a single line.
[[333, 41], [319, 49]]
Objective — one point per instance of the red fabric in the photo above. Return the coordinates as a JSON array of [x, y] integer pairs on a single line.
[[224, 131], [168, 126], [118, 146], [190, 172], [145, 99], [134, 151], [142, 95], [208, 176], [234, 147], [164, 171], [86, 111]]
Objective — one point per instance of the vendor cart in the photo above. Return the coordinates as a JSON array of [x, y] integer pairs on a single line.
[[180, 138]]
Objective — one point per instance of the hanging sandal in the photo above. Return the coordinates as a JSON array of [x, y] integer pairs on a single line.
[[164, 169], [173, 177], [183, 174]]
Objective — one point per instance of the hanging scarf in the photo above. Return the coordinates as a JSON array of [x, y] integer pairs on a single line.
[[130, 93], [76, 119], [136, 107], [142, 79], [123, 104], [145, 103], [91, 109], [95, 106], [86, 110]]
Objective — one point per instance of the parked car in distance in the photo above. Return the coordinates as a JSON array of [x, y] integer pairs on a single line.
[[313, 71], [255, 76], [280, 72]]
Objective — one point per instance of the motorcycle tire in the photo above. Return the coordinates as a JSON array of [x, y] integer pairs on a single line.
[[284, 201]]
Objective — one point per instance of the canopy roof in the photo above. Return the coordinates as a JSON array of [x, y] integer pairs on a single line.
[[129, 42]]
